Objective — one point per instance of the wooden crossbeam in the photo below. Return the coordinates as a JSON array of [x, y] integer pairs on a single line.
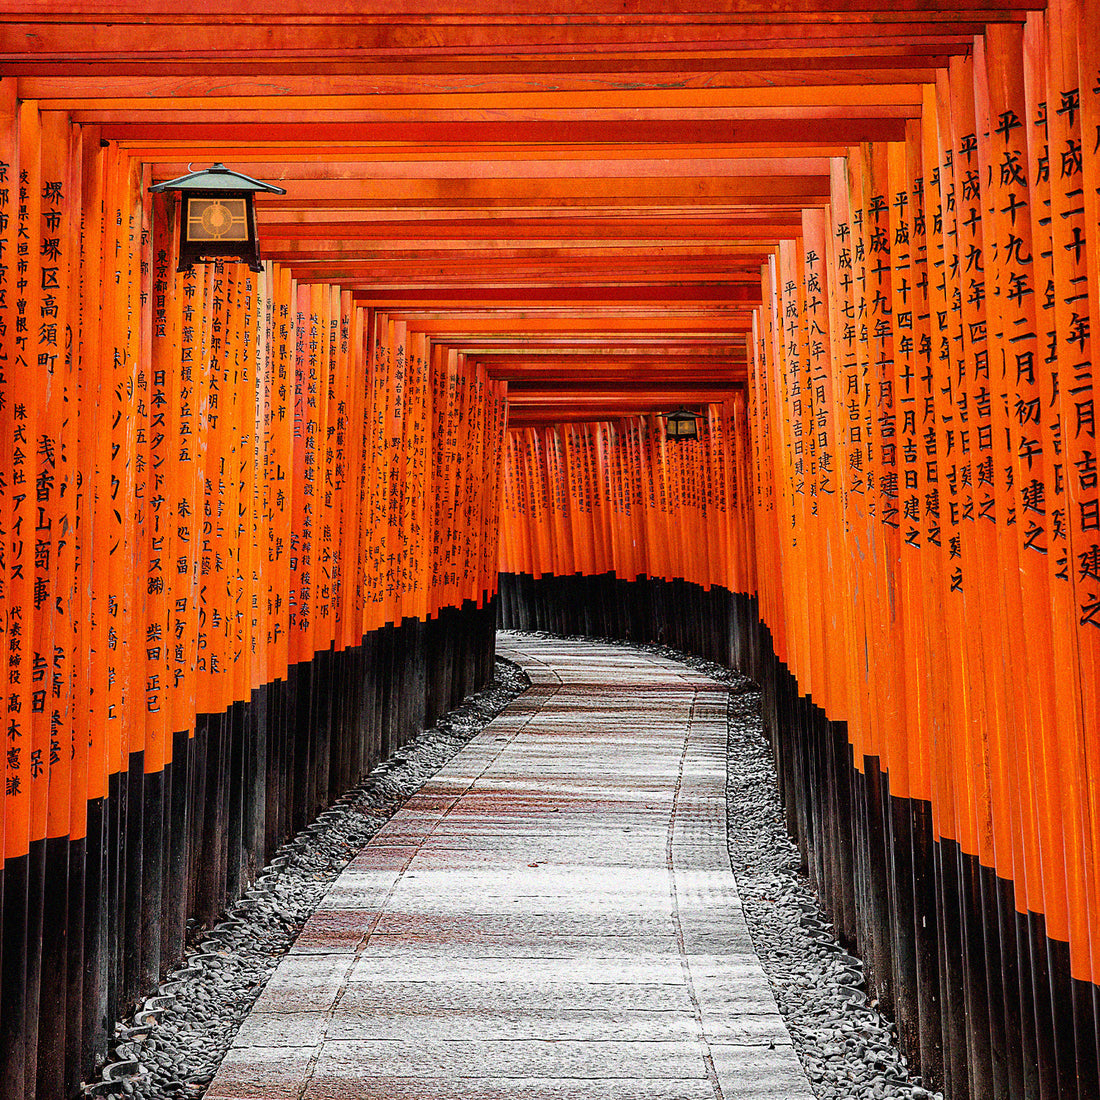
[[583, 199]]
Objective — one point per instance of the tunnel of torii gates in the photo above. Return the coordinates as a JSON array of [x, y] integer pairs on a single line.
[[259, 527]]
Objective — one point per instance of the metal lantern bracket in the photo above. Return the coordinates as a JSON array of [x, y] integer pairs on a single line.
[[217, 215]]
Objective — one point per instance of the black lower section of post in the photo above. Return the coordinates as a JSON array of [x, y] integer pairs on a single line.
[[13, 981], [36, 898], [50, 1068]]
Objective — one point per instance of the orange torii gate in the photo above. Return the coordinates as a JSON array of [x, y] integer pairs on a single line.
[[246, 516], [218, 501]]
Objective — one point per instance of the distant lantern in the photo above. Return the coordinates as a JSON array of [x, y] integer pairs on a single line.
[[681, 425], [217, 217]]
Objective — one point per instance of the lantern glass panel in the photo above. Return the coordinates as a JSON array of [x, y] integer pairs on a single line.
[[217, 219], [681, 425]]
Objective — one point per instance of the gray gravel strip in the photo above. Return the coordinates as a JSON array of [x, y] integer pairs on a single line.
[[847, 1047], [173, 1044]]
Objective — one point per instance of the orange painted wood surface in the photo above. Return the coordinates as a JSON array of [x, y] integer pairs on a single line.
[[860, 238]]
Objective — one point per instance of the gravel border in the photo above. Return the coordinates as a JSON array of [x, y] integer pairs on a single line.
[[847, 1047], [173, 1044]]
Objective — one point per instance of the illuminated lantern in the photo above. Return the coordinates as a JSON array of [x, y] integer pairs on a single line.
[[681, 424], [217, 216]]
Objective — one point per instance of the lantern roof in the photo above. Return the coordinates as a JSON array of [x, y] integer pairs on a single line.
[[217, 178]]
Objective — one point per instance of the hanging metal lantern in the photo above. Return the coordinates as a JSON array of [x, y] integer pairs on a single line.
[[681, 424], [217, 215]]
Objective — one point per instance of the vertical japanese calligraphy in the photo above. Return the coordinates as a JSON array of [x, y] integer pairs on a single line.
[[219, 488]]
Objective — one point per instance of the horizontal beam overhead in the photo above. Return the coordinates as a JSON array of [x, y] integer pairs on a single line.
[[582, 199]]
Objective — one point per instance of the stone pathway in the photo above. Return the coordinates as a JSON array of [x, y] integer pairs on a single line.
[[552, 917]]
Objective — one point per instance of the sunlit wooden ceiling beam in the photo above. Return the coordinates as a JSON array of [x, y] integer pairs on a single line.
[[839, 128], [717, 296]]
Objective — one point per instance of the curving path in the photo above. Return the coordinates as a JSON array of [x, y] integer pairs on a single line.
[[552, 917]]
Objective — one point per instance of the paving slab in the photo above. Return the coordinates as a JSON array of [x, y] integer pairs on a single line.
[[328, 1084], [552, 917]]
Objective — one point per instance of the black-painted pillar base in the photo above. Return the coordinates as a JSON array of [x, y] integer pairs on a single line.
[[88, 926]]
